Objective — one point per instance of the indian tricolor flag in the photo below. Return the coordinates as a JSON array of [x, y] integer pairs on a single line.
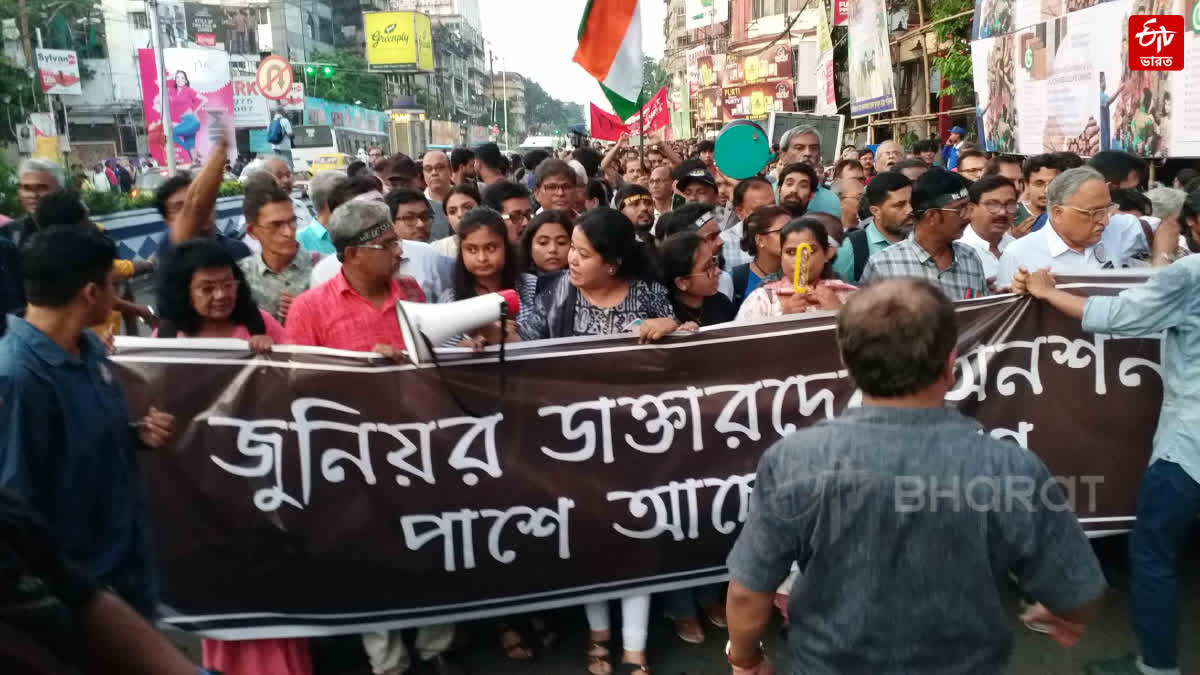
[[610, 50]]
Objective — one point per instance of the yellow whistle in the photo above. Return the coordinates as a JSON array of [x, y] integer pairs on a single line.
[[800, 274]]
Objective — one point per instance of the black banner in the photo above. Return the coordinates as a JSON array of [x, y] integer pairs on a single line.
[[317, 492]]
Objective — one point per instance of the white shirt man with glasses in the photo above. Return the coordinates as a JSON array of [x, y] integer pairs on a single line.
[[993, 205], [1084, 236]]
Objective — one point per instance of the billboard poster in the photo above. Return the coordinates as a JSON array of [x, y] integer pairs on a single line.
[[872, 83], [399, 41], [1059, 85], [250, 107], [826, 91], [320, 111], [172, 23], [841, 12], [692, 68], [703, 13], [757, 101], [205, 24], [752, 66], [46, 143], [241, 30], [200, 95], [58, 71]]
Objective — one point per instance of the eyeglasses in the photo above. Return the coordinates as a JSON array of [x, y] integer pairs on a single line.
[[518, 217], [710, 270], [393, 245], [997, 208], [276, 227], [413, 218], [556, 187], [1101, 213], [963, 211], [774, 231]]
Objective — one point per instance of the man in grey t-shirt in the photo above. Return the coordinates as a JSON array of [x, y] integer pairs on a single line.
[[904, 520]]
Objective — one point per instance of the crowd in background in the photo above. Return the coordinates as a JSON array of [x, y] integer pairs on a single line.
[[646, 241]]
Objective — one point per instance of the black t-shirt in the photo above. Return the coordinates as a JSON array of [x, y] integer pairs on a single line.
[[716, 309]]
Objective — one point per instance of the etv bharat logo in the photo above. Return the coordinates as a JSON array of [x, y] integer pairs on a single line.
[[1156, 42]]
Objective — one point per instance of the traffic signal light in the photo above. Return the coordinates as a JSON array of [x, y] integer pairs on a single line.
[[310, 70], [328, 71]]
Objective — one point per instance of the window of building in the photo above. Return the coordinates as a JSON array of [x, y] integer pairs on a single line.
[[139, 20], [764, 8]]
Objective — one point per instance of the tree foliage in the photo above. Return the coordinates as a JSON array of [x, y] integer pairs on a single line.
[[954, 63], [545, 114], [350, 83], [653, 77], [65, 24]]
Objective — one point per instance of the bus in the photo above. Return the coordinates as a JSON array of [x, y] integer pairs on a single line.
[[313, 140]]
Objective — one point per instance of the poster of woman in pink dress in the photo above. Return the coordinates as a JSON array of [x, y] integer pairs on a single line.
[[199, 94]]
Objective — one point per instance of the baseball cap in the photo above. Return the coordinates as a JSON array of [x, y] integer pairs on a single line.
[[691, 171], [938, 187], [958, 130]]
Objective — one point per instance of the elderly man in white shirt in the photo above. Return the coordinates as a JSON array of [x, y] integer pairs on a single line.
[[1083, 236], [993, 203]]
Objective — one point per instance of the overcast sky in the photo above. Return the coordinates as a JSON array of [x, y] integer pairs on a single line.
[[536, 38]]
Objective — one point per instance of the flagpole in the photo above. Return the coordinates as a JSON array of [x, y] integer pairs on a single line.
[[642, 134]]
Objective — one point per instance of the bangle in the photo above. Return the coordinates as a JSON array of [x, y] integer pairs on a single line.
[[759, 656]]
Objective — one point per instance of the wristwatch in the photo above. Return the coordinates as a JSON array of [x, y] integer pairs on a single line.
[[759, 655]]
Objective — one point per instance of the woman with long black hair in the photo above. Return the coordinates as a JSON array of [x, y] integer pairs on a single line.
[[203, 293], [609, 287], [487, 262]]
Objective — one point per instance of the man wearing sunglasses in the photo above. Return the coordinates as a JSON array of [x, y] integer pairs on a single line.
[[942, 209], [1082, 237]]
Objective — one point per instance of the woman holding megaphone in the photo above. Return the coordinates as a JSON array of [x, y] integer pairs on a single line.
[[487, 263]]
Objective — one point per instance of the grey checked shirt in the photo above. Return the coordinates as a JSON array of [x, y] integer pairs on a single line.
[[731, 247], [904, 534], [266, 285], [963, 279]]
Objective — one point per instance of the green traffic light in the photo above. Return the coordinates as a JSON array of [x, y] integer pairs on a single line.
[[310, 70], [328, 70]]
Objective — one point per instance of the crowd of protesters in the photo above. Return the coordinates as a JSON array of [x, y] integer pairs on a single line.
[[642, 241]]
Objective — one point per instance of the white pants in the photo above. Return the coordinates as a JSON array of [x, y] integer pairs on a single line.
[[635, 620], [388, 655]]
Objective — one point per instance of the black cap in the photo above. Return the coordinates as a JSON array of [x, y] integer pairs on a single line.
[[938, 187], [693, 170]]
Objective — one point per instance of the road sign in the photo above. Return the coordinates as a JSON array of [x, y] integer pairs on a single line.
[[274, 77]]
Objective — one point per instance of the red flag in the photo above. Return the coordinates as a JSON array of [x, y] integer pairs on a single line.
[[606, 126]]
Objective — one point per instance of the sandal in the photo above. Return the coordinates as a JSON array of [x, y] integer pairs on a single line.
[[598, 654], [627, 668], [512, 641], [690, 631], [715, 613]]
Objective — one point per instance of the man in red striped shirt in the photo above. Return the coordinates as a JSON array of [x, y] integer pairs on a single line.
[[356, 310]]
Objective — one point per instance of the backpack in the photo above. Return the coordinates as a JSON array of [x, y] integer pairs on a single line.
[[275, 131], [859, 245]]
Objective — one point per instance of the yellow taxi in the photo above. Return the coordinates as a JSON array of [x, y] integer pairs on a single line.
[[329, 162]]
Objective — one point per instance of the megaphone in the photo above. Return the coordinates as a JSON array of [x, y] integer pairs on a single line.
[[423, 324]]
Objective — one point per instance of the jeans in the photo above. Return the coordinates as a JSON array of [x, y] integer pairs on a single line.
[[184, 132], [681, 604], [635, 620], [1168, 504]]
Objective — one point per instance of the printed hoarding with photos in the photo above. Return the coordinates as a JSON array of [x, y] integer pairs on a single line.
[[205, 24], [1064, 84], [200, 97], [58, 70], [872, 83], [399, 41], [756, 101]]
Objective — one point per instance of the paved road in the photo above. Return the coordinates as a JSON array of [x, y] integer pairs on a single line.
[[1109, 637]]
